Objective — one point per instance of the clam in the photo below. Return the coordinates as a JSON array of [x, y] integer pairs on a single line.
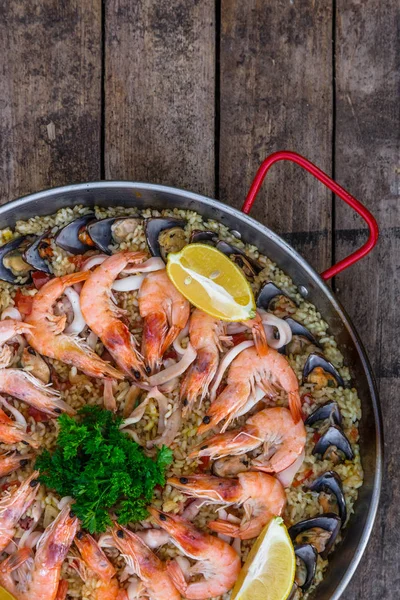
[[270, 297], [302, 338], [38, 252], [306, 561], [330, 483], [230, 466], [12, 264], [113, 230], [165, 235], [74, 237], [319, 531], [321, 372], [329, 410], [334, 445], [199, 236]]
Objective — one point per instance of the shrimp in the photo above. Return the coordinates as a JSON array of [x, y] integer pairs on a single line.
[[260, 339], [13, 505], [165, 312], [147, 566], [48, 338], [248, 371], [101, 314], [262, 497], [274, 428], [107, 588], [13, 433], [205, 334], [10, 462], [22, 557], [26, 387], [44, 576], [218, 562], [10, 327]]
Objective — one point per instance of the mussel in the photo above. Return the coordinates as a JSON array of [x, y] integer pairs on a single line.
[[74, 237], [334, 445], [250, 266], [230, 466], [330, 483], [165, 235], [198, 236], [270, 297], [113, 230], [12, 264], [307, 556], [302, 338], [321, 372], [37, 253], [329, 410], [319, 531]]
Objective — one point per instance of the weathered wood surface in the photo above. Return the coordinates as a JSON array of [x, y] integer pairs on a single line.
[[367, 163], [276, 94], [159, 92], [196, 94], [50, 75]]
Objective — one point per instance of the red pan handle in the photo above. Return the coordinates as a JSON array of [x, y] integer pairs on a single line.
[[335, 188]]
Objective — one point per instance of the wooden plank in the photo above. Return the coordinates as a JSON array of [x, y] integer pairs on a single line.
[[276, 94], [50, 114], [159, 92], [367, 164]]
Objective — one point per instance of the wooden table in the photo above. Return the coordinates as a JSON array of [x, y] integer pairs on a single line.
[[195, 93]]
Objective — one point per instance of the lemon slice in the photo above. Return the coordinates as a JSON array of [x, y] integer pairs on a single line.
[[4, 595], [269, 570], [212, 282]]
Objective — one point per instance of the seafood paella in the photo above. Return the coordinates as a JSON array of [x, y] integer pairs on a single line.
[[146, 441]]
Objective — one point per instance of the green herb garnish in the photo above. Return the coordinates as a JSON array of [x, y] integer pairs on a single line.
[[102, 468]]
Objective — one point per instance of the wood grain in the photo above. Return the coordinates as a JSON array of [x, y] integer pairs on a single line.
[[276, 94], [367, 163], [159, 92], [50, 70]]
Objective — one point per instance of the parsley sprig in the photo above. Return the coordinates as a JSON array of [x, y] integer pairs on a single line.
[[102, 468]]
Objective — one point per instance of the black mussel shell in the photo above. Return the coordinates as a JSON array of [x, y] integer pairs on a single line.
[[228, 249], [267, 293], [102, 232], [330, 411], [328, 521], [309, 555], [203, 237], [36, 254], [330, 483], [6, 274], [70, 237], [154, 226], [316, 360], [299, 329], [334, 436]]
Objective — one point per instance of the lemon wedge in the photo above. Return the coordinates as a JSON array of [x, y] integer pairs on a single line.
[[269, 570], [4, 595], [212, 282]]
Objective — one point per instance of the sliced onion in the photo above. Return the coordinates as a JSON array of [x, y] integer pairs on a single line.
[[135, 589], [136, 415], [224, 364], [175, 370], [78, 324], [11, 313], [134, 436], [28, 538], [252, 401], [172, 427], [64, 501], [225, 538], [177, 344], [236, 545], [92, 340], [106, 541], [152, 264], [128, 284], [184, 565], [154, 538], [93, 261], [270, 321], [287, 475], [233, 519], [193, 509], [108, 395], [19, 417], [168, 387]]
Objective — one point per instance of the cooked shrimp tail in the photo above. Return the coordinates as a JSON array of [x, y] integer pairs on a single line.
[[102, 316], [13, 505], [10, 327], [218, 562], [48, 338], [259, 336], [11, 462], [11, 564], [13, 433], [29, 389], [94, 557]]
